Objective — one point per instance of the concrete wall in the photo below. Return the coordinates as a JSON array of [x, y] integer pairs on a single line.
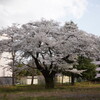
[[5, 80], [40, 79], [4, 68], [28, 79], [62, 78]]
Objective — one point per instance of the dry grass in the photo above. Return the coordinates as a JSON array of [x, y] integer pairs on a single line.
[[81, 91]]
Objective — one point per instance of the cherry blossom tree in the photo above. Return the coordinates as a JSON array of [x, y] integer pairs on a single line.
[[53, 47], [87, 44]]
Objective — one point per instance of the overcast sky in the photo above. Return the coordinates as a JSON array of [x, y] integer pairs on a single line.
[[86, 13]]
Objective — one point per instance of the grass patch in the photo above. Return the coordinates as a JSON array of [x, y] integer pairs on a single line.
[[24, 88], [51, 98], [81, 91]]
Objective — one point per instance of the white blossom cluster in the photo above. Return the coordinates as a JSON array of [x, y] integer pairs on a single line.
[[50, 44]]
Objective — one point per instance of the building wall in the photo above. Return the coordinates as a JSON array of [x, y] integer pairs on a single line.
[[63, 79], [40, 79], [28, 79], [4, 68], [5, 80]]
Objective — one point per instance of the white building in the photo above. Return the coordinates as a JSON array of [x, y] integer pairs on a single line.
[[27, 80], [40, 79], [62, 78], [5, 72], [4, 68]]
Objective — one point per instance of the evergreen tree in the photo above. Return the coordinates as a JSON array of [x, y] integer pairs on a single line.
[[85, 64]]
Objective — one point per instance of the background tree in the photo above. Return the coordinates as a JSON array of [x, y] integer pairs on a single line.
[[73, 73], [26, 70], [85, 64], [12, 35]]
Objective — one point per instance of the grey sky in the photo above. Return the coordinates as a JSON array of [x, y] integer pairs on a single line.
[[23, 11]]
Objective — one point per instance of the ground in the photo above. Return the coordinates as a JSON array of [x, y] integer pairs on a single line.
[[81, 91]]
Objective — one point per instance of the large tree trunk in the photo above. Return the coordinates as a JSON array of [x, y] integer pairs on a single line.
[[49, 81], [49, 76]]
